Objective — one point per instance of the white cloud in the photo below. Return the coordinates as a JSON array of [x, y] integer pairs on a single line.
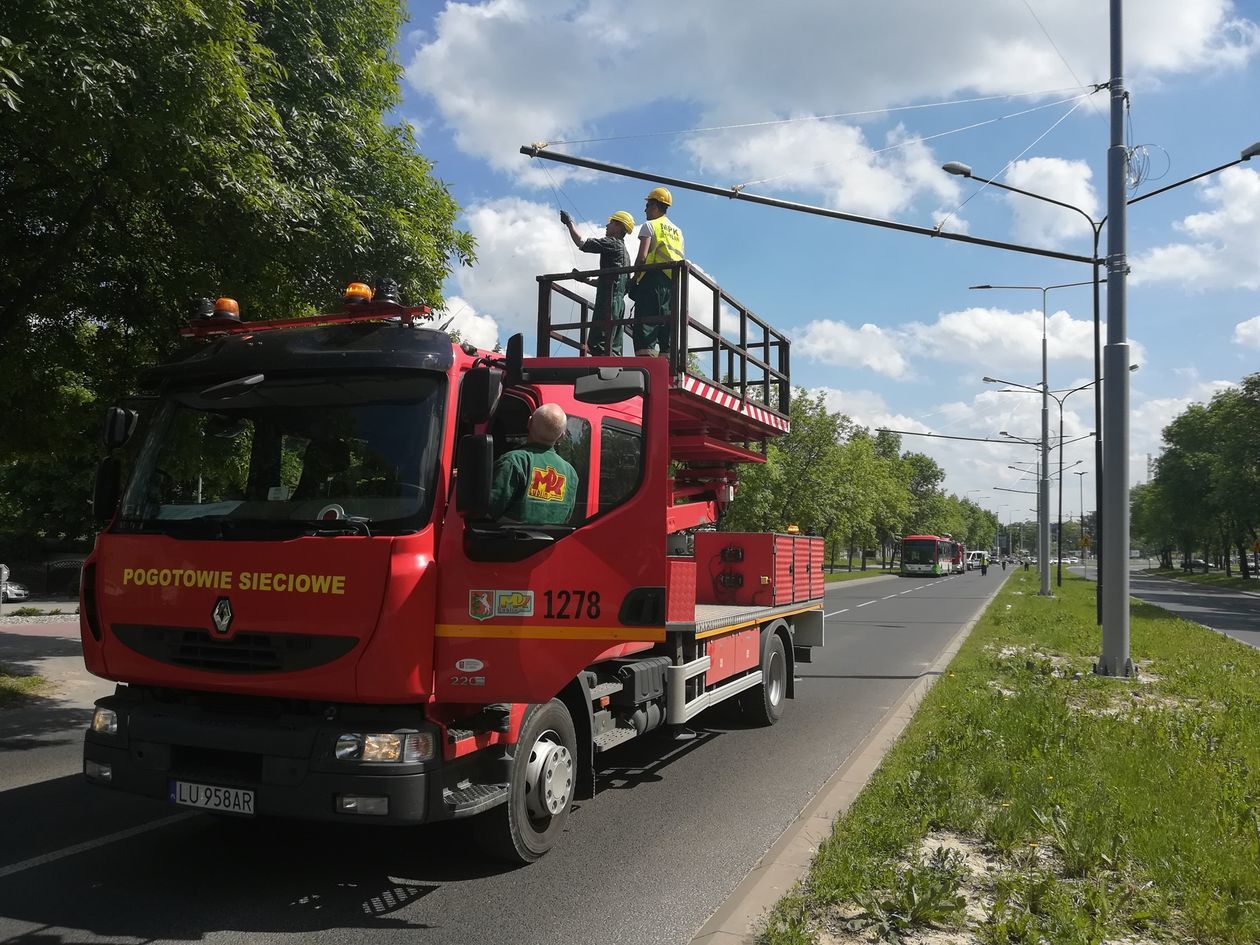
[[1043, 224], [480, 330], [837, 344], [1224, 243], [517, 240], [1247, 333], [830, 159], [509, 72]]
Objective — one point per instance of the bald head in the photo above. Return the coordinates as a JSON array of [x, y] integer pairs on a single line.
[[546, 424]]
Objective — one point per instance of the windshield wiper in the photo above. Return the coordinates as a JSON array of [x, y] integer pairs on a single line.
[[341, 526]]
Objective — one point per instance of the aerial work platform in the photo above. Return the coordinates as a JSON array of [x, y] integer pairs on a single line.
[[731, 371]]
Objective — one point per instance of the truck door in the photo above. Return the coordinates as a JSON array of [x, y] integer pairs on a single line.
[[523, 608]]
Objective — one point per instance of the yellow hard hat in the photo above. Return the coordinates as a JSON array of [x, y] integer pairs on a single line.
[[624, 218], [661, 195]]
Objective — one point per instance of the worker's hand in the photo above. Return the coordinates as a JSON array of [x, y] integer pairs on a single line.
[[565, 218]]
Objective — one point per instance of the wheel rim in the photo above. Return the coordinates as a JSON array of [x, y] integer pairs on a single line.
[[776, 676], [548, 777]]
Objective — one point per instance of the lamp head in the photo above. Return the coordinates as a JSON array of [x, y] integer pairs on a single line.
[[985, 286], [959, 169], [1247, 153]]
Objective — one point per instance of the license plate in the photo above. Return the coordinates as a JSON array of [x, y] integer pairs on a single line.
[[209, 797]]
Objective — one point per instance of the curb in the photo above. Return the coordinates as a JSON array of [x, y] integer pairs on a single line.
[[739, 919]]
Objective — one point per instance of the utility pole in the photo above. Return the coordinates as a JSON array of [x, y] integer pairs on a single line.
[[1114, 564]]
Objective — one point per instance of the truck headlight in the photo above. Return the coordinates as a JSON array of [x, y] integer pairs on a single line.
[[349, 747], [382, 747], [105, 721], [385, 747]]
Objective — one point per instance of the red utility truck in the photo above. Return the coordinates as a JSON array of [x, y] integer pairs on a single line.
[[310, 613]]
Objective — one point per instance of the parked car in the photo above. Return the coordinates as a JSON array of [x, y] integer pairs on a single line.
[[10, 591]]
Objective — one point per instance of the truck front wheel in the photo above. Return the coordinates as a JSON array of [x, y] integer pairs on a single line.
[[543, 778]]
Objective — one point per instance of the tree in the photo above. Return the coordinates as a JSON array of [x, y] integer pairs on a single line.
[[156, 150]]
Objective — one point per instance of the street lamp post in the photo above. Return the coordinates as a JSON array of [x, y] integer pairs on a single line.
[[1114, 659], [1060, 398], [1044, 544], [1080, 481]]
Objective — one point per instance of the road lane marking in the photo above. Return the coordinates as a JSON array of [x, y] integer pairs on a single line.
[[46, 858], [889, 597], [834, 612], [868, 602]]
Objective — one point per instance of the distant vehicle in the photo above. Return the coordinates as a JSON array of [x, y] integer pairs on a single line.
[[1197, 563], [926, 554], [974, 558], [11, 592]]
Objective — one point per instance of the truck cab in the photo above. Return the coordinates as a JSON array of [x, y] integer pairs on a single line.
[[310, 612]]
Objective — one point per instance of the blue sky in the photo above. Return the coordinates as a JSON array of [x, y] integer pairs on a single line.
[[882, 322]]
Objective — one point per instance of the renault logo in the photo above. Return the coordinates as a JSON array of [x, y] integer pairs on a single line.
[[222, 615]]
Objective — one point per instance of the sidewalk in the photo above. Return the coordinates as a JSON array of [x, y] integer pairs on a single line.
[[50, 649]]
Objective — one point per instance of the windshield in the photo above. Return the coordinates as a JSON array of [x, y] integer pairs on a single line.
[[918, 552], [282, 458]]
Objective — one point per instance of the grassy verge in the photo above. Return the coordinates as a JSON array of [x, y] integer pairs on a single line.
[[1032, 802], [1217, 579], [833, 576], [16, 689]]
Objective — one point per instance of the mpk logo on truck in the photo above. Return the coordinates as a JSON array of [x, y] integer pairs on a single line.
[[548, 485]]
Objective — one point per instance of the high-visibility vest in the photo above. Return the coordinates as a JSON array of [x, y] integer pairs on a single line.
[[667, 245]]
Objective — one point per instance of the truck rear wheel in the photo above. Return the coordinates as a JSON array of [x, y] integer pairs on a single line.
[[764, 704], [543, 778]]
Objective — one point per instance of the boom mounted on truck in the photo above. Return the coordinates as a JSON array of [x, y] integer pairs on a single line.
[[310, 614]]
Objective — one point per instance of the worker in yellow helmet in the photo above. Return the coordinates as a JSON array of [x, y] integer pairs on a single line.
[[659, 241], [607, 330]]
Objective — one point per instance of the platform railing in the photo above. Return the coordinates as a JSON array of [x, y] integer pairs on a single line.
[[756, 368]]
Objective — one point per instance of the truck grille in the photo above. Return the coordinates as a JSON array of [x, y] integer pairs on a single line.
[[195, 648]]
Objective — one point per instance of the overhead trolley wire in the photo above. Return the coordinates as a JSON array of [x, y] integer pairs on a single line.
[[1007, 165], [1062, 58], [940, 134], [787, 121]]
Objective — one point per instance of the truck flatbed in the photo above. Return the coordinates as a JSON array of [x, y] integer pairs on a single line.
[[714, 619]]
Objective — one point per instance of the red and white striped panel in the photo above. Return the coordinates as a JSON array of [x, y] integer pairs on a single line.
[[748, 409]]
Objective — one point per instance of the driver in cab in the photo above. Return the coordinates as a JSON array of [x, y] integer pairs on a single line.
[[534, 484]]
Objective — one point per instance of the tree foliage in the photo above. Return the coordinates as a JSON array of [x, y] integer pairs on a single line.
[[1205, 494], [157, 150], [856, 489]]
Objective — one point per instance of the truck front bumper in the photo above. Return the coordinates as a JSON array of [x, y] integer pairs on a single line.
[[287, 762]]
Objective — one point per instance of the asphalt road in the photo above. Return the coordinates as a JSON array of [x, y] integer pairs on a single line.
[[1225, 610], [675, 827]]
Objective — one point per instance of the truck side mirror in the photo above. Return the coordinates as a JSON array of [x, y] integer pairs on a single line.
[[515, 360], [105, 491], [475, 475], [120, 423], [608, 386], [479, 394]]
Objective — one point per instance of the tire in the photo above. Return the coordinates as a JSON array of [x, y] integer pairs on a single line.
[[540, 792], [764, 703]]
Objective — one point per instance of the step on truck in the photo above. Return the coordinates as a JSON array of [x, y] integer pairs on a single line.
[[310, 613]]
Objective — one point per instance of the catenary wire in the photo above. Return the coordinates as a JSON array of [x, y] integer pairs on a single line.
[[1007, 166], [786, 121], [1059, 52], [910, 141]]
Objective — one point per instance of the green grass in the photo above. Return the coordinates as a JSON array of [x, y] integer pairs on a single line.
[[16, 689], [871, 571], [1212, 578], [1112, 807]]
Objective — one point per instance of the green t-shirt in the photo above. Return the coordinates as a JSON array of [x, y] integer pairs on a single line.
[[534, 485]]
